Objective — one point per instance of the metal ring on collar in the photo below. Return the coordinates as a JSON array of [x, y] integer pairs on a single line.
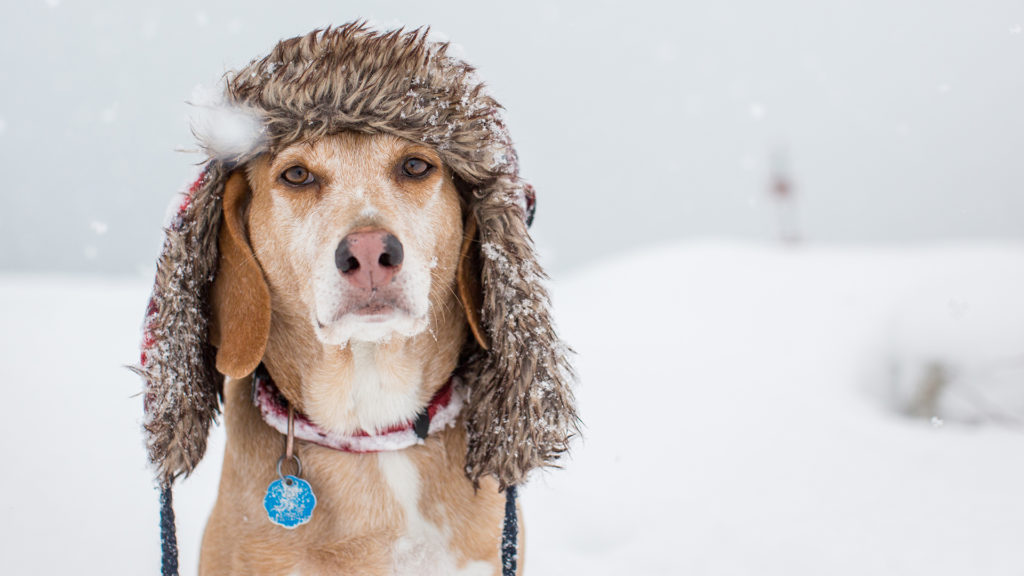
[[298, 465]]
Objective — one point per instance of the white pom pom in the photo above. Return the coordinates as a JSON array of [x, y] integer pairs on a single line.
[[222, 129]]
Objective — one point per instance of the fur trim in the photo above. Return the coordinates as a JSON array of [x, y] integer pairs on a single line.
[[352, 78], [177, 364], [521, 411]]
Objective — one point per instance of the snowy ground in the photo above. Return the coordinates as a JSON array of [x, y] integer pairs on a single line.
[[737, 416]]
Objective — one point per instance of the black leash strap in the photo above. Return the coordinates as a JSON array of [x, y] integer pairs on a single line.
[[422, 424], [168, 538], [509, 534]]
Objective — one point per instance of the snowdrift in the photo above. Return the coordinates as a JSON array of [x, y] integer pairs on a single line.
[[745, 412]]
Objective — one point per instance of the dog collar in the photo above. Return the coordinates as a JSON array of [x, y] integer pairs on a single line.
[[440, 413]]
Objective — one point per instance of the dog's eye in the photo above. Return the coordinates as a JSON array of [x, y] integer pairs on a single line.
[[416, 167], [297, 176]]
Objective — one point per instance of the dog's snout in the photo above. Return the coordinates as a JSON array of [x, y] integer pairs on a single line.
[[369, 259]]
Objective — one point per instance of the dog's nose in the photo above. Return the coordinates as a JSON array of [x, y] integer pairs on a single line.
[[369, 259]]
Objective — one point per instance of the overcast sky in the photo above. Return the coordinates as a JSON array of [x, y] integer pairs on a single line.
[[638, 123]]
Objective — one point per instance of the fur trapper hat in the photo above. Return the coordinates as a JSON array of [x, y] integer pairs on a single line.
[[520, 414]]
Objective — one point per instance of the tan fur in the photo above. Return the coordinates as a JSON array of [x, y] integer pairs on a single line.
[[358, 522], [469, 280], [241, 301]]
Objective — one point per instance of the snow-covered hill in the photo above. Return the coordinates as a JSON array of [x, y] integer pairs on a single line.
[[738, 408]]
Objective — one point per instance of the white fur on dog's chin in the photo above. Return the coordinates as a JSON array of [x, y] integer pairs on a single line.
[[355, 328], [376, 391]]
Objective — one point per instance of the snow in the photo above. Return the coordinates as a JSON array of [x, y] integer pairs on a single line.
[[109, 114], [964, 334], [733, 424], [99, 227], [735, 403]]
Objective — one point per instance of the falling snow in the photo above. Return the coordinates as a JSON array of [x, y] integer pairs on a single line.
[[109, 114], [98, 227]]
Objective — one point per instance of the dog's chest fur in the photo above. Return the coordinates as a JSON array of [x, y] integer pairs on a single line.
[[423, 547], [368, 397], [390, 513]]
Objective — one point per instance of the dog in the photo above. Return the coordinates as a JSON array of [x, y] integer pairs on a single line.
[[361, 274], [357, 349]]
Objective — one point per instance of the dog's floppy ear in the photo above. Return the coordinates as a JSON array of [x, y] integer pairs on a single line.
[[521, 412], [468, 275], [240, 299]]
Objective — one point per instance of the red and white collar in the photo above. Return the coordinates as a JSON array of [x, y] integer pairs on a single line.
[[441, 413]]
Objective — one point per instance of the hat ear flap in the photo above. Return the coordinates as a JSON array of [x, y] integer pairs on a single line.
[[240, 297], [521, 411], [468, 278], [181, 382]]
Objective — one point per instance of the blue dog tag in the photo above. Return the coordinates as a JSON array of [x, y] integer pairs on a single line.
[[289, 502]]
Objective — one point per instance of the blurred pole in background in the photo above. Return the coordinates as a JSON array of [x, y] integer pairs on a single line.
[[783, 193]]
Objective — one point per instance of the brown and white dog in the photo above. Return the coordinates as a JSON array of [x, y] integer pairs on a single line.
[[355, 346], [358, 266]]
